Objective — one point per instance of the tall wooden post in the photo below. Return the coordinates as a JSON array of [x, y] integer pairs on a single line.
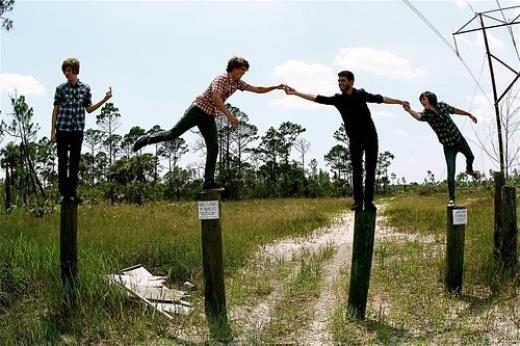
[[455, 235], [498, 237], [213, 266], [69, 249], [363, 247], [509, 230]]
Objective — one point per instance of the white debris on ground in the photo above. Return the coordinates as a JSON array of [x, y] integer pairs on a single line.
[[151, 290]]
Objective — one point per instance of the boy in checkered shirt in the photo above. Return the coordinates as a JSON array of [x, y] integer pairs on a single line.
[[68, 122], [205, 109]]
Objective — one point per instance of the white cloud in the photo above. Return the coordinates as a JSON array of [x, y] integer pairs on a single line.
[[377, 61], [401, 133], [306, 77], [22, 85], [384, 114]]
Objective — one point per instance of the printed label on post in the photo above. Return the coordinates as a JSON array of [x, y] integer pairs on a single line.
[[460, 216], [208, 210]]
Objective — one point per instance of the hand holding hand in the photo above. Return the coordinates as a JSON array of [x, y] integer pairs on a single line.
[[407, 107], [289, 90]]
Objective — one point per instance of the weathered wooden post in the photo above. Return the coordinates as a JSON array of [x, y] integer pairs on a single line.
[[69, 249], [509, 228], [213, 267], [363, 247], [498, 237], [455, 235]]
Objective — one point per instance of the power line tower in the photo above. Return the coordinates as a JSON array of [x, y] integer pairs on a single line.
[[505, 230], [485, 21]]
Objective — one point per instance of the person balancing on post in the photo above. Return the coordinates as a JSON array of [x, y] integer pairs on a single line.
[[68, 121], [205, 109], [361, 131], [437, 115]]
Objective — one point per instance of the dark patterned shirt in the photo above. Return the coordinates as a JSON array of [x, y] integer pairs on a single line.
[[442, 124], [72, 100], [225, 86]]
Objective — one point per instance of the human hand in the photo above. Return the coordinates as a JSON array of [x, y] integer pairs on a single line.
[[233, 120], [53, 136], [473, 118], [289, 90], [108, 95]]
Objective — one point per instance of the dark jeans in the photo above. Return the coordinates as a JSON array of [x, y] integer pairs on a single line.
[[194, 116], [450, 153], [369, 146], [69, 153]]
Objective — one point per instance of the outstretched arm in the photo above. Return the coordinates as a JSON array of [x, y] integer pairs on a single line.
[[462, 112], [391, 101], [413, 113], [263, 90], [292, 91]]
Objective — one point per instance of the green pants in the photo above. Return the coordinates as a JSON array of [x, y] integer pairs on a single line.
[[194, 116]]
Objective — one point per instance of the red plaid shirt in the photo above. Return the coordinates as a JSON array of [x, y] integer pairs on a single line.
[[225, 86]]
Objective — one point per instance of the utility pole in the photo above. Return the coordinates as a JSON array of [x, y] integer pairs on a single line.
[[505, 228], [495, 23]]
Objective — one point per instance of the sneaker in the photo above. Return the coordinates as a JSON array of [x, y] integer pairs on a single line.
[[370, 206], [475, 174], [211, 185], [140, 142], [356, 206]]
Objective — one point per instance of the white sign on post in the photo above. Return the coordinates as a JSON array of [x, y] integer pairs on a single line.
[[208, 210], [460, 217]]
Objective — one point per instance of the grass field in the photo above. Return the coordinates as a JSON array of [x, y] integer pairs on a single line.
[[407, 300], [164, 237]]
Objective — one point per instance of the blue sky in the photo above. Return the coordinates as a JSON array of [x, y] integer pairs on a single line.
[[159, 55]]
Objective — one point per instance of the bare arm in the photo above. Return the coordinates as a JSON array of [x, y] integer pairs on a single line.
[[463, 112], [217, 100], [392, 101], [413, 113], [291, 91], [55, 111], [93, 107], [263, 90]]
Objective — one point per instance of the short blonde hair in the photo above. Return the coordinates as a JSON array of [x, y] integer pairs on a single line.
[[72, 63]]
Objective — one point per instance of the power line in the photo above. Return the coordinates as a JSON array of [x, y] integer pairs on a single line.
[[510, 31], [441, 36]]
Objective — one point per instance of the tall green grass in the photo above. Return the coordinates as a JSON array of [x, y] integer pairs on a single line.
[[407, 300], [164, 237]]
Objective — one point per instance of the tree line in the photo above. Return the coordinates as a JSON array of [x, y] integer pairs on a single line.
[[250, 164]]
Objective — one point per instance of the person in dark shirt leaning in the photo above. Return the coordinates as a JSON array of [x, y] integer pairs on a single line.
[[362, 134], [437, 115], [71, 100]]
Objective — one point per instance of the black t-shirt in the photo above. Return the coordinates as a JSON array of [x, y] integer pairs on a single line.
[[354, 111]]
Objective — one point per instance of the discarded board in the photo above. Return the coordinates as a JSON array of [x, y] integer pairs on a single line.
[[151, 289]]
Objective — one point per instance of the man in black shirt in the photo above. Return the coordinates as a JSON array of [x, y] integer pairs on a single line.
[[352, 105]]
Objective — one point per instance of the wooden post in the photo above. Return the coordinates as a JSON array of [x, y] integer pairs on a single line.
[[213, 267], [509, 229], [69, 248], [456, 225], [498, 237], [363, 247]]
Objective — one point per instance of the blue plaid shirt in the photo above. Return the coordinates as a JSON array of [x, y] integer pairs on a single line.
[[72, 100]]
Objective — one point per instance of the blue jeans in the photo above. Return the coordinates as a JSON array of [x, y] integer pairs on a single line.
[[450, 153]]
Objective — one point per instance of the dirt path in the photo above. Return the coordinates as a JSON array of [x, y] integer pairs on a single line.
[[340, 234]]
